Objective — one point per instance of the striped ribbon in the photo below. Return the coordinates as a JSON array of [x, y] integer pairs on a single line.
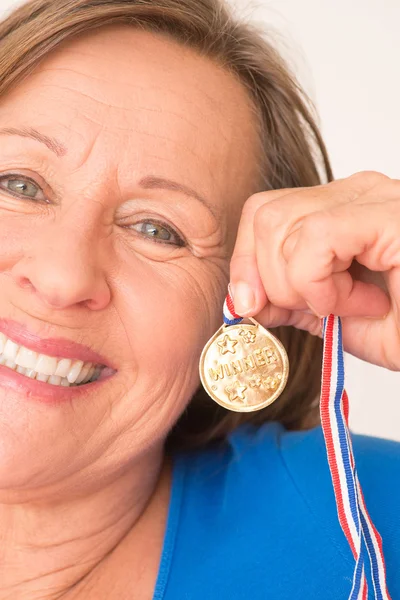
[[362, 536]]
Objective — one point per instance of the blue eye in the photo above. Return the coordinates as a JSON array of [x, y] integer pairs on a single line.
[[22, 187], [159, 232]]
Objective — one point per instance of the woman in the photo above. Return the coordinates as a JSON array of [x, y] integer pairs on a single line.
[[151, 151]]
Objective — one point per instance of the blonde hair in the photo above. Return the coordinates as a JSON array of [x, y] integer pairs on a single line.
[[293, 150]]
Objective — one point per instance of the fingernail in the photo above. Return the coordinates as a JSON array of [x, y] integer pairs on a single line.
[[243, 297]]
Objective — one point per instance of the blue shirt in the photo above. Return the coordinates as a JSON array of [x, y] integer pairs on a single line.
[[256, 519]]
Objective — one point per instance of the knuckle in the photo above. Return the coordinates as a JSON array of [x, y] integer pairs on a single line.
[[369, 178], [252, 203], [318, 225], [269, 215], [259, 199], [395, 185]]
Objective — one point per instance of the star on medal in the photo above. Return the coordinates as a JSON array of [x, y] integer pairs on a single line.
[[256, 382], [248, 336], [236, 391], [270, 383], [243, 367], [227, 345]]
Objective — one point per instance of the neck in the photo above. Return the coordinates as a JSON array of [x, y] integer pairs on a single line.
[[49, 547]]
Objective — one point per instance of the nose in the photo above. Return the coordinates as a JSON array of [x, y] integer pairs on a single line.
[[63, 270]]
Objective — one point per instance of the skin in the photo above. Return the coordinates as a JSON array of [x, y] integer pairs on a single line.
[[329, 249], [75, 263]]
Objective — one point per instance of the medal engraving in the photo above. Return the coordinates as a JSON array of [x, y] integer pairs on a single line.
[[244, 367]]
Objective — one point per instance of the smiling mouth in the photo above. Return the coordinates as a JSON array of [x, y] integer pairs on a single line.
[[49, 369]]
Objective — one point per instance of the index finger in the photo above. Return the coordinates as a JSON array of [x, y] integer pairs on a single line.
[[246, 285]]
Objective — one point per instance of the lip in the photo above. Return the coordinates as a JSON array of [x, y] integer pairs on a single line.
[[57, 347], [45, 392]]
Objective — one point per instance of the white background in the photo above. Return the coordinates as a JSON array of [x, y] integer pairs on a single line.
[[346, 54]]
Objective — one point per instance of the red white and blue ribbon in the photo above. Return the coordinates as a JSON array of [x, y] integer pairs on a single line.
[[230, 317], [352, 511], [362, 536]]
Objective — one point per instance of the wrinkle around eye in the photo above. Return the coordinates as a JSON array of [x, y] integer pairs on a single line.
[[147, 250]]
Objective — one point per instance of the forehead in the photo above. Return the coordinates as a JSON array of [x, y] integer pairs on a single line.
[[137, 96]]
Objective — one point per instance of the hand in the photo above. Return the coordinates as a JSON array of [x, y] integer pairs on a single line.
[[304, 253]]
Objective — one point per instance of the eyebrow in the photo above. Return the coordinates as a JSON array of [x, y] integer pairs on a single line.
[[54, 145], [151, 183]]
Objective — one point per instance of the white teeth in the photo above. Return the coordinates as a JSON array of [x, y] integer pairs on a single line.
[[26, 358], [3, 340], [90, 374], [42, 377], [46, 364], [83, 374], [49, 369], [74, 371], [10, 350], [63, 367]]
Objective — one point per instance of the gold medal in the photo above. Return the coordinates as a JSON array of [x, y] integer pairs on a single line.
[[244, 367]]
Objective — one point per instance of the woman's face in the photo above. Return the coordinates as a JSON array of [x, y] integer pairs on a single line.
[[124, 162]]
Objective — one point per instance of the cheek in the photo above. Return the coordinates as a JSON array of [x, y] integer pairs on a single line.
[[170, 312], [14, 231]]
